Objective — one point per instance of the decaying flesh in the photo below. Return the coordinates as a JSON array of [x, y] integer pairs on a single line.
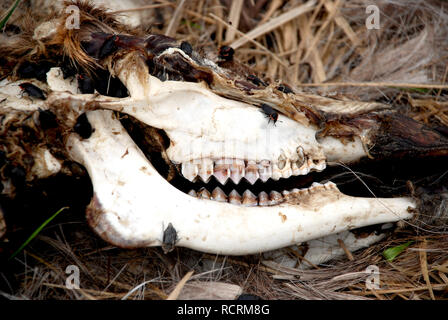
[[212, 118]]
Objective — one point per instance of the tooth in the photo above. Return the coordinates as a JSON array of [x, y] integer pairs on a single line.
[[251, 173], [205, 169], [249, 199], [219, 195], [222, 170], [287, 171], [189, 170], [320, 165], [276, 173], [203, 194], [234, 197], [295, 168], [263, 199], [286, 194], [275, 198], [281, 162], [301, 158], [265, 170], [304, 169], [237, 170], [192, 193]]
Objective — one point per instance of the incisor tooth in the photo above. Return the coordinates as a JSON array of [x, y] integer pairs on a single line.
[[263, 199], [219, 195], [234, 197], [251, 173], [205, 169], [203, 193], [192, 193], [222, 170], [237, 170], [265, 170], [249, 199], [189, 170]]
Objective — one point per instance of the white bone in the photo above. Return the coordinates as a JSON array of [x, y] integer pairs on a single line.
[[133, 202]]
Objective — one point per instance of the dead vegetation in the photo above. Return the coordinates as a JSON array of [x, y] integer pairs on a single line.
[[322, 46]]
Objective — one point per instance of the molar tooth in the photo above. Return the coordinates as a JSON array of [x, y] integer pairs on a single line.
[[222, 170], [205, 169], [275, 198], [249, 199], [219, 195], [192, 193], [287, 171], [189, 170], [203, 194], [281, 162], [263, 199], [330, 185], [321, 165], [234, 197], [295, 169], [301, 157], [251, 173], [276, 173], [237, 170], [265, 170]]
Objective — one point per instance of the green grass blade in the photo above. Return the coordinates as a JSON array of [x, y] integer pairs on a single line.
[[6, 18], [35, 233], [391, 253]]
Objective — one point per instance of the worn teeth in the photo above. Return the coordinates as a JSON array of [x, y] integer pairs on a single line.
[[234, 197], [251, 172], [222, 170], [249, 199], [275, 198], [189, 170], [265, 170], [281, 162], [237, 170], [203, 194], [205, 169], [263, 199], [219, 195]]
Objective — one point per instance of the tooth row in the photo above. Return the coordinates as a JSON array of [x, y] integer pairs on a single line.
[[248, 199], [236, 169]]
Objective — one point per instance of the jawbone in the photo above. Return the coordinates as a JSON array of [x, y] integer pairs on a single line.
[[133, 205]]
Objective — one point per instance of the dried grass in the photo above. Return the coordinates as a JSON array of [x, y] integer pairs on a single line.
[[323, 42]]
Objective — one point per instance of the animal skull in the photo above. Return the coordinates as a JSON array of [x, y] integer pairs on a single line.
[[215, 128]]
